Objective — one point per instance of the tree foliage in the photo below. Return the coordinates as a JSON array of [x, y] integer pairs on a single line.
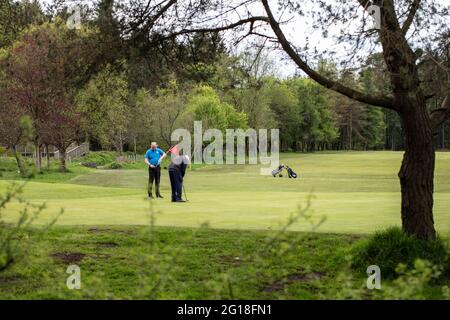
[[206, 106], [104, 105]]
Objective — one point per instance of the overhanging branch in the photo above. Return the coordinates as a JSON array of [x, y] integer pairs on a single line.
[[217, 29], [412, 13], [440, 115], [380, 101], [147, 20]]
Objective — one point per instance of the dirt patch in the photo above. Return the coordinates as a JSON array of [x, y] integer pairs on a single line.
[[68, 257], [9, 279], [355, 237], [300, 276], [100, 256], [98, 230], [71, 257], [108, 245]]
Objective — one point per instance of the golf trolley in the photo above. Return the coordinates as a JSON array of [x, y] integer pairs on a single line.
[[279, 172]]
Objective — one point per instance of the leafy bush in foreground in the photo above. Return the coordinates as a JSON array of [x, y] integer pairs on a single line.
[[14, 239], [391, 247], [413, 283]]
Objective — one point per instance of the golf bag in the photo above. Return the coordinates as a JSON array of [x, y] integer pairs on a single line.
[[279, 171], [291, 173]]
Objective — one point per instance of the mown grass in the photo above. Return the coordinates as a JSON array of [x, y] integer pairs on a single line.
[[104, 230], [358, 192]]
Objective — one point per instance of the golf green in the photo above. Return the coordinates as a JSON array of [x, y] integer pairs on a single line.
[[357, 192]]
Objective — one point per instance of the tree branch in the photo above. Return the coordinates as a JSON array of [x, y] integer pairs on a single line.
[[161, 12], [380, 101], [440, 115], [151, 20], [412, 13], [217, 29], [365, 3]]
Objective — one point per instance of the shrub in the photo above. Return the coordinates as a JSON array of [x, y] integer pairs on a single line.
[[391, 247], [115, 165], [100, 158], [89, 164], [8, 165], [413, 283]]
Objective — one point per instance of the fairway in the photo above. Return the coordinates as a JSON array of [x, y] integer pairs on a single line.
[[357, 192]]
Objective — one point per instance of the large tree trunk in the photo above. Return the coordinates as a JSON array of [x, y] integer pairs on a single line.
[[417, 173]]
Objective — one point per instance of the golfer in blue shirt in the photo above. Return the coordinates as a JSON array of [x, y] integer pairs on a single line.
[[153, 159]]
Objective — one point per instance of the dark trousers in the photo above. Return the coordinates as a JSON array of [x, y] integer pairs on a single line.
[[176, 183], [154, 174]]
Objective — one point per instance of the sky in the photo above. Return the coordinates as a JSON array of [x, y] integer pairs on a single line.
[[297, 30]]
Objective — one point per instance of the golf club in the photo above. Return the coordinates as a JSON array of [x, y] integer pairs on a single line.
[[185, 196]]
